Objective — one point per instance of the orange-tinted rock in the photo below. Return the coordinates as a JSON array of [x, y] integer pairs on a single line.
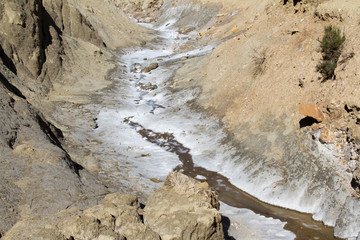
[[138, 15], [327, 136], [311, 110], [202, 33]]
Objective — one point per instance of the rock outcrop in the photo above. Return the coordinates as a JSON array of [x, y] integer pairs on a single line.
[[31, 44], [22, 39], [182, 209], [39, 39], [37, 176]]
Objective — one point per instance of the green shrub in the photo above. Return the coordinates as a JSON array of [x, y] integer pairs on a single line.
[[331, 46]]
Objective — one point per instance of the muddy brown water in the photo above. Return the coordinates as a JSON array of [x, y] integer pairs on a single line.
[[301, 224]]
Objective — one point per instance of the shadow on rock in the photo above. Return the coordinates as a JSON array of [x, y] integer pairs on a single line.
[[226, 225]]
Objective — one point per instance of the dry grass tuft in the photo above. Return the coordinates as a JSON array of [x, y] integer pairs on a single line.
[[258, 59]]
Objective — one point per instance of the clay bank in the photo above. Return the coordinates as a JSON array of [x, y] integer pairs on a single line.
[[178, 120]]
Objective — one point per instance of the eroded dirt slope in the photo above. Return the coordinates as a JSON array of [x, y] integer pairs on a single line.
[[256, 81]]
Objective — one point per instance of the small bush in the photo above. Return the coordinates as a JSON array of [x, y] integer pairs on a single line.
[[258, 58], [331, 46]]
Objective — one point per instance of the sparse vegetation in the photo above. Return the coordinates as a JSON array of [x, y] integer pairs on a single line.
[[258, 58], [331, 46]]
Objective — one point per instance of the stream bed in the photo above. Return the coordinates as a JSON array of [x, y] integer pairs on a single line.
[[147, 130]]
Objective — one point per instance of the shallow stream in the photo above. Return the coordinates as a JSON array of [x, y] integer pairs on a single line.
[[147, 130]]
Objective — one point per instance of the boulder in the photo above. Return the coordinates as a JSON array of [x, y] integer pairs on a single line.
[[311, 110], [185, 29], [184, 208], [149, 68]]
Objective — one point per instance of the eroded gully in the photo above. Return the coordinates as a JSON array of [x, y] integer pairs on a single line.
[[158, 129]]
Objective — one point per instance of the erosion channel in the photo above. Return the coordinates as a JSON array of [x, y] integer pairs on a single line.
[[161, 131]]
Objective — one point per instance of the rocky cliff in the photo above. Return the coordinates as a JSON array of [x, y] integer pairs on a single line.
[[46, 41], [38, 177]]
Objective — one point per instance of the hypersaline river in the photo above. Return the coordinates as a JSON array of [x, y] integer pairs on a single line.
[[150, 130]]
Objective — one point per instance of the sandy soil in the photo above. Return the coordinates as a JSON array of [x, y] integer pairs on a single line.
[[286, 39]]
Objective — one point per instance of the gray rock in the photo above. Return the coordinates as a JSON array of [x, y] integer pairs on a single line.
[[10, 196], [37, 175], [348, 223]]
